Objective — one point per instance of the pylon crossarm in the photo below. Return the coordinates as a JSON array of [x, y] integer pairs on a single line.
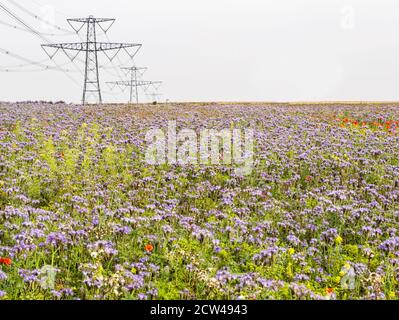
[[134, 68], [93, 19], [132, 55], [154, 84], [133, 83], [51, 56], [105, 30], [111, 58], [72, 58], [71, 22], [98, 46], [105, 46], [79, 46]]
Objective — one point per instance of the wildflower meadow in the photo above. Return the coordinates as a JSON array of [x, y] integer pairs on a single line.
[[84, 215]]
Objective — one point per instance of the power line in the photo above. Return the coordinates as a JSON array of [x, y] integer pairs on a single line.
[[15, 27], [28, 62], [112, 63], [38, 17], [7, 70], [32, 30], [44, 67], [64, 14]]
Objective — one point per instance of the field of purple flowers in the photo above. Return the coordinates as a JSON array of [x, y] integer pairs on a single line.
[[82, 216]]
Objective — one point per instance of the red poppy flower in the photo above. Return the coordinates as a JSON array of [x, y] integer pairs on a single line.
[[6, 261], [329, 290], [149, 248]]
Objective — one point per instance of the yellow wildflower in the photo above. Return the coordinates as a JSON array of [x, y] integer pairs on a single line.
[[339, 240]]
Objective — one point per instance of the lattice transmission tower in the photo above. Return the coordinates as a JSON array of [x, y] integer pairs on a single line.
[[133, 78], [91, 48], [134, 83]]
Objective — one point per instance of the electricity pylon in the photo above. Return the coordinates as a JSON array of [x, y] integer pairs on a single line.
[[91, 47], [134, 84], [133, 78]]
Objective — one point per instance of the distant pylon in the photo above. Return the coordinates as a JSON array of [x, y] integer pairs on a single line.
[[91, 47], [134, 84], [133, 79]]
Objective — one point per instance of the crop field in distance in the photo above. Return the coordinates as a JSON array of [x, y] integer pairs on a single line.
[[83, 215]]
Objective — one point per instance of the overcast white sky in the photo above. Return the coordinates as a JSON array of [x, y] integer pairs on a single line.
[[224, 50]]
